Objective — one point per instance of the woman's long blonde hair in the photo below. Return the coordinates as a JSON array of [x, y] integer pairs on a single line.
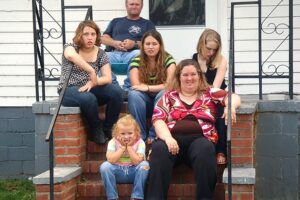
[[210, 35], [160, 70], [175, 81], [127, 120]]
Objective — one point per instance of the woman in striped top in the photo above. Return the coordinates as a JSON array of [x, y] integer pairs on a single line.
[[149, 74]]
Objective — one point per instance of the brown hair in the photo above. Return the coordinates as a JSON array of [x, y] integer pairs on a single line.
[[210, 35], [175, 81], [160, 70], [127, 120], [77, 39]]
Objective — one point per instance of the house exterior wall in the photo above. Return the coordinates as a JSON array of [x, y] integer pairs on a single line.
[[17, 79], [274, 17], [17, 86], [16, 42]]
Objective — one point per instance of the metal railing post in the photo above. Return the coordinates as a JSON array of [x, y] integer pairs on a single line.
[[35, 47], [259, 51], [291, 47]]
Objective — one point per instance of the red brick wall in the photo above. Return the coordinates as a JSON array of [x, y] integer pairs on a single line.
[[62, 191], [71, 147], [242, 141], [69, 140], [243, 151]]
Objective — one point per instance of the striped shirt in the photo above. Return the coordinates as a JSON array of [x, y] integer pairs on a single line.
[[136, 63]]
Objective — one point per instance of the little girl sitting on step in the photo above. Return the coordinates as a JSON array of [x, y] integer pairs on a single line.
[[125, 159]]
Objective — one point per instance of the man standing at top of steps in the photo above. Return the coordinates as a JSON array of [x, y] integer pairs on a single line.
[[123, 36]]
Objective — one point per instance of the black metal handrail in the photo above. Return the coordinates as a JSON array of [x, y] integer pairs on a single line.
[[261, 73], [40, 72], [40, 34]]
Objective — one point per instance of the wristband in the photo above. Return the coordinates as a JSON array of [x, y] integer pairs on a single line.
[[148, 88]]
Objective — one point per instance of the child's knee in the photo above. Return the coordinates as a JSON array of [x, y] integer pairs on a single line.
[[144, 165], [105, 167]]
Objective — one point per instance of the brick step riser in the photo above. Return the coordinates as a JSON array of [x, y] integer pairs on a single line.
[[181, 174], [176, 191], [236, 161]]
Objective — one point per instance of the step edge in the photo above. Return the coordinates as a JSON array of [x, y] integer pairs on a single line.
[[240, 176], [61, 174]]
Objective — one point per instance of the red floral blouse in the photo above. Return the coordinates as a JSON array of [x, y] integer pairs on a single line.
[[171, 109]]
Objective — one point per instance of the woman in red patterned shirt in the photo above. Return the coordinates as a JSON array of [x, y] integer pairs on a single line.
[[184, 123]]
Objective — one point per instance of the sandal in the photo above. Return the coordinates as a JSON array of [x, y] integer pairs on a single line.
[[221, 159], [148, 156], [150, 140]]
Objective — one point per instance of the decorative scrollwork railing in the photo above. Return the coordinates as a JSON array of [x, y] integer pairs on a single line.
[[51, 72], [283, 33], [280, 29]]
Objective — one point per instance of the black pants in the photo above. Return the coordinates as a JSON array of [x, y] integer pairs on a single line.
[[197, 152], [221, 127]]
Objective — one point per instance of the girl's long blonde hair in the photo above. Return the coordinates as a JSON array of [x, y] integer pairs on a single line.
[[210, 35], [127, 120]]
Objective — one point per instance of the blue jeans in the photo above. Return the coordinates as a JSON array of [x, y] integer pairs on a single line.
[[89, 102], [122, 57], [140, 106], [112, 174]]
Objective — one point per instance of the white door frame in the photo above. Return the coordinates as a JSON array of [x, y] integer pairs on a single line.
[[181, 41]]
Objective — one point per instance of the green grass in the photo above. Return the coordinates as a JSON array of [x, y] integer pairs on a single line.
[[16, 190]]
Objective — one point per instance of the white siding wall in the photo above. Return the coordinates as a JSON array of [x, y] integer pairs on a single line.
[[246, 46], [16, 60], [17, 82], [17, 85]]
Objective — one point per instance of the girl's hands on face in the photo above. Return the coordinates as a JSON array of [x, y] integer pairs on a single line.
[[126, 135], [121, 140], [132, 140], [126, 140]]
